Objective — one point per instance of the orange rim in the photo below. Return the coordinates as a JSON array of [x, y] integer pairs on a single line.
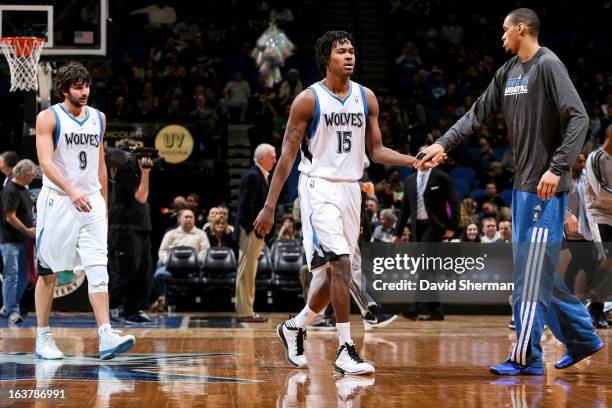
[[23, 45]]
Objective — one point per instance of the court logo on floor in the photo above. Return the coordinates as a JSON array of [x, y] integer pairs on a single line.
[[145, 367], [67, 282]]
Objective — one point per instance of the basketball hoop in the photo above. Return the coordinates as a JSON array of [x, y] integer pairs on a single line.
[[22, 54]]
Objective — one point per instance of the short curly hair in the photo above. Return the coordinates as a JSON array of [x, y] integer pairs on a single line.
[[69, 74], [324, 46]]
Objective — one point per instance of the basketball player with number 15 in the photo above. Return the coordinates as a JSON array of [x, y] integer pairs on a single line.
[[72, 224], [333, 121]]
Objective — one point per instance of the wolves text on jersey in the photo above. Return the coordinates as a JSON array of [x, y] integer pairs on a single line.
[[343, 119], [82, 139]]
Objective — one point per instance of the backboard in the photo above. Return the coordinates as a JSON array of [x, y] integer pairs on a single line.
[[69, 27]]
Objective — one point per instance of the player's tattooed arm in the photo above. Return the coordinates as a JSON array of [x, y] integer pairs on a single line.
[[302, 111], [293, 135]]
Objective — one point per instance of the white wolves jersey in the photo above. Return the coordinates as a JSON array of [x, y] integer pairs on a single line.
[[334, 145], [77, 148]]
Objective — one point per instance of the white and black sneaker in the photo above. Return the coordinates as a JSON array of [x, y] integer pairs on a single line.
[[377, 321], [349, 362], [293, 339]]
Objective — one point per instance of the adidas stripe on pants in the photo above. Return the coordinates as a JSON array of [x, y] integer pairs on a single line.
[[540, 296]]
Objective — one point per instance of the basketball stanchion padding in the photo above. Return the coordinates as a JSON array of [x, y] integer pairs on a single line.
[[22, 54]]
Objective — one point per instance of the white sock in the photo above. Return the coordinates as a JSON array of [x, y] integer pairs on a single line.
[[344, 333], [304, 317], [103, 328], [42, 330]]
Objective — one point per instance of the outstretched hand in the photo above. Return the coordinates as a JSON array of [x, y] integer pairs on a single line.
[[430, 157]]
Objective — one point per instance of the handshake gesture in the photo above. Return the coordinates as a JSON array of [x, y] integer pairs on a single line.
[[430, 157]]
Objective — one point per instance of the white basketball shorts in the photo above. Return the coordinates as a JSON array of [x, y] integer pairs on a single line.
[[330, 219], [65, 237]]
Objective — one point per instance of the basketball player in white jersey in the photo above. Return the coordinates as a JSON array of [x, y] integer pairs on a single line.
[[71, 227], [332, 121]]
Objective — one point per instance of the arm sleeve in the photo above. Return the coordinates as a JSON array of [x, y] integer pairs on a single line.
[[483, 108], [571, 112]]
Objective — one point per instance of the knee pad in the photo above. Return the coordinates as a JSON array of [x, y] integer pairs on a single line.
[[97, 279]]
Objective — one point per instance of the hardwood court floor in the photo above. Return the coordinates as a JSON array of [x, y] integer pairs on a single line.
[[420, 364]]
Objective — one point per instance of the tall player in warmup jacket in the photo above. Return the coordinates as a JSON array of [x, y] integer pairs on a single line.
[[71, 227], [547, 124], [332, 121]]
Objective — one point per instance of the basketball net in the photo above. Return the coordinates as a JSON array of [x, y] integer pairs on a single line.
[[22, 54]]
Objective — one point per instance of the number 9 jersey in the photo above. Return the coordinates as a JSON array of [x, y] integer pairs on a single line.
[[77, 148], [334, 145]]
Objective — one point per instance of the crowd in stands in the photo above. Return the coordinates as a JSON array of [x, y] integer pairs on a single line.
[[171, 63]]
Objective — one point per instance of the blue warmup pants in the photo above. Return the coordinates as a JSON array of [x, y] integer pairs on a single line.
[[540, 297]]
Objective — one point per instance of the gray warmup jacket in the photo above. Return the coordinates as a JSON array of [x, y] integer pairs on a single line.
[[546, 120]]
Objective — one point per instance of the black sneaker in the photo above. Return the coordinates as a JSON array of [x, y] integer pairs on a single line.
[[139, 318], [3, 313], [511, 324], [374, 308], [377, 321], [116, 316], [596, 310], [321, 323]]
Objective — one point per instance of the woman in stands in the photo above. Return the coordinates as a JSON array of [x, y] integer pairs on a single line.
[[220, 234]]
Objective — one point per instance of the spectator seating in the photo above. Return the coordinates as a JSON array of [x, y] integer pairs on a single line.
[[264, 269], [184, 266], [287, 261], [462, 186], [219, 269], [464, 173], [478, 193]]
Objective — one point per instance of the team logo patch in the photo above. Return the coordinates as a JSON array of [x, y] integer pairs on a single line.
[[50, 202], [356, 99], [67, 282], [536, 212], [516, 86], [311, 183]]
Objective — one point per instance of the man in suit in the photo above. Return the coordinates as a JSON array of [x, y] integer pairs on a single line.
[[252, 196], [431, 203]]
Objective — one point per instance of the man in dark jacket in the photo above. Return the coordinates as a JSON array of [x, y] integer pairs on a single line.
[[252, 196], [431, 203]]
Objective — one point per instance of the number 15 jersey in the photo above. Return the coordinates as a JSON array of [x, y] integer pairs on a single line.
[[334, 145], [77, 148]]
